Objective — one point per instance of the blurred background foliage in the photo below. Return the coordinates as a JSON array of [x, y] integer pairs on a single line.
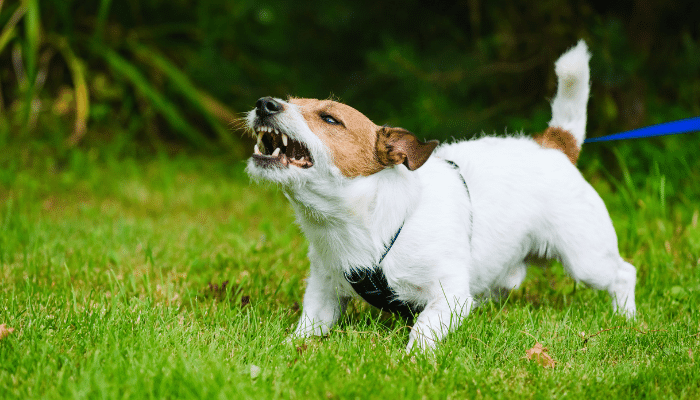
[[140, 77]]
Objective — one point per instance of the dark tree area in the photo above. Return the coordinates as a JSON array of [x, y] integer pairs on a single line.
[[140, 73]]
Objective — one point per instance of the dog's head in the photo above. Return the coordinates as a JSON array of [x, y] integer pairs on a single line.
[[302, 139]]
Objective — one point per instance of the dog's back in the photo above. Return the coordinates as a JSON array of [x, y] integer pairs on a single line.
[[559, 215]]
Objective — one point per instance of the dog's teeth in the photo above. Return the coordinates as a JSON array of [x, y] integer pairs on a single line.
[[259, 143], [256, 149], [284, 139], [276, 152]]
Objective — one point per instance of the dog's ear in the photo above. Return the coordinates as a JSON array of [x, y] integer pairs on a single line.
[[398, 146]]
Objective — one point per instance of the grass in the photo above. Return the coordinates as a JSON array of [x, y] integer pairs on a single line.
[[174, 277]]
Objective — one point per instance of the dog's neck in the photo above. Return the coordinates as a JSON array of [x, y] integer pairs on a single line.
[[351, 220]]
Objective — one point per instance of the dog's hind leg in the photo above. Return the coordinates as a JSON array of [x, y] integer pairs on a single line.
[[591, 256], [501, 290], [609, 272], [622, 289]]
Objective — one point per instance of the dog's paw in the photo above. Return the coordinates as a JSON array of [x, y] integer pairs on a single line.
[[420, 343], [298, 334], [628, 312]]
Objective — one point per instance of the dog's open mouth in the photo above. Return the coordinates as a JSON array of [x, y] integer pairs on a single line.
[[274, 148]]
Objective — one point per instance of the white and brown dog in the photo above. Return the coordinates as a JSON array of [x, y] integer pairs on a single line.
[[412, 226]]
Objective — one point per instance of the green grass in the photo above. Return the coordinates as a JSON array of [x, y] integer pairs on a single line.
[[112, 274]]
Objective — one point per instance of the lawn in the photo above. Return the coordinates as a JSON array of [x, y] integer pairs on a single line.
[[175, 277]]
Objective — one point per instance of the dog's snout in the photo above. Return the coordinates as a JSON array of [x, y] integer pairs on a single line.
[[267, 106]]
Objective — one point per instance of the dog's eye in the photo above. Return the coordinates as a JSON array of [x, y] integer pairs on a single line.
[[330, 120]]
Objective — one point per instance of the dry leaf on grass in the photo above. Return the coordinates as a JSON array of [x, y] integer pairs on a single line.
[[539, 354], [5, 331]]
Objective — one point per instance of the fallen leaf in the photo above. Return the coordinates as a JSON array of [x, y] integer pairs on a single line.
[[539, 354], [217, 291], [5, 331]]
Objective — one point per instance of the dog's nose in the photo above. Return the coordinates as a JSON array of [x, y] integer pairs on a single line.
[[267, 106]]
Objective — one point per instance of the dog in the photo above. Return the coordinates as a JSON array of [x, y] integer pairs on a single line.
[[422, 229]]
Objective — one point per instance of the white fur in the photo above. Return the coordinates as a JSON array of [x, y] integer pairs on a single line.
[[525, 200], [569, 106]]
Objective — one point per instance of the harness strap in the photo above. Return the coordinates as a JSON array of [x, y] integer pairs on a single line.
[[371, 283], [372, 286], [469, 197]]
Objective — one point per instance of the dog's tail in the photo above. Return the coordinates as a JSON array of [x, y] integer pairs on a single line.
[[567, 129]]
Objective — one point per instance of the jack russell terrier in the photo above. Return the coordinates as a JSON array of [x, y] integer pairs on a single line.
[[421, 229]]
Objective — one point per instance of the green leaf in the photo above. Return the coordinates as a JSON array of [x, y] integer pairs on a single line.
[[82, 95], [8, 32], [31, 50], [184, 85], [166, 108]]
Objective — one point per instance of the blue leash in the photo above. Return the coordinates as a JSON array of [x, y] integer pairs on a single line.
[[667, 128]]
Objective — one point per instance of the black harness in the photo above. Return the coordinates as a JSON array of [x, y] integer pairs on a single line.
[[371, 283]]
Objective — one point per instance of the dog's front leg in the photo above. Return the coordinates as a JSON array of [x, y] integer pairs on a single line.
[[442, 315], [323, 305]]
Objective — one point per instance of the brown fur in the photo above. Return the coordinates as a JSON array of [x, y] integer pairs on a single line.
[[559, 139], [351, 143], [399, 146], [358, 146]]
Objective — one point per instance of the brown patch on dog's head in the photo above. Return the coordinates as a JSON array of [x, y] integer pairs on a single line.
[[399, 146], [559, 139], [349, 135], [358, 146]]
